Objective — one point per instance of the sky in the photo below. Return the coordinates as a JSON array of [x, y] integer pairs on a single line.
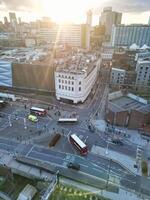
[[134, 11]]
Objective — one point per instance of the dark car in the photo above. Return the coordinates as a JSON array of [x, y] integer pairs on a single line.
[[75, 166], [117, 142]]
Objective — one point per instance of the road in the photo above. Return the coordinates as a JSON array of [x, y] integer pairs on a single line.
[[93, 168]]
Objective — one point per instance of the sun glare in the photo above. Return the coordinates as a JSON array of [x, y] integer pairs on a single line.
[[64, 11]]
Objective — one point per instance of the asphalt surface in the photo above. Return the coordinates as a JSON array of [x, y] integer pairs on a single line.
[[93, 168], [92, 165]]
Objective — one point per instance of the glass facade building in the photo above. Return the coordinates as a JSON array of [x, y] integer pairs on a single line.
[[126, 35]]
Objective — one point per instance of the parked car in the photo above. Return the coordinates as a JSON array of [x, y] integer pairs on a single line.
[[74, 166]]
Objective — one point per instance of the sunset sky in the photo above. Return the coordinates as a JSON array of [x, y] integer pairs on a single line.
[[134, 11]]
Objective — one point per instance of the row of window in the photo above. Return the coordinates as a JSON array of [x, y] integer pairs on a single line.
[[67, 82], [68, 88], [68, 77]]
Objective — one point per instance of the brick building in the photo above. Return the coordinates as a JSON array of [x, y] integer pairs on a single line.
[[127, 110]]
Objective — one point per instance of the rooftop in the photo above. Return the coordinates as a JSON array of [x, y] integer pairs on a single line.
[[128, 102], [76, 63], [118, 69], [23, 55]]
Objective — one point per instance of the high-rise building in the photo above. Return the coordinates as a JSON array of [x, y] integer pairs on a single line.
[[13, 20], [89, 18], [88, 28], [126, 35], [6, 21], [108, 18]]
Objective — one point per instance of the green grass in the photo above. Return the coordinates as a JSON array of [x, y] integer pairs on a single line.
[[14, 187], [69, 193]]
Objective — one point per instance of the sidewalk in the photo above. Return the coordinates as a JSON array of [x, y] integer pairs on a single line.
[[129, 135], [122, 195], [122, 159]]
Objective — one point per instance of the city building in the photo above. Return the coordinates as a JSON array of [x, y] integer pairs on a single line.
[[27, 69], [64, 34], [69, 34], [117, 76], [143, 72], [13, 20], [6, 23], [107, 54], [128, 110], [97, 36], [126, 35], [75, 78], [108, 18]]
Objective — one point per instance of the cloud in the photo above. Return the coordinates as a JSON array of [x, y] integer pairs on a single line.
[[119, 5], [22, 5], [129, 5]]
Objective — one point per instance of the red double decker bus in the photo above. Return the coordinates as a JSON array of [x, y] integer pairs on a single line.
[[37, 111], [79, 145]]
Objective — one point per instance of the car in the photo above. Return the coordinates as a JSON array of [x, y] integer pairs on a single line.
[[117, 142], [33, 118], [74, 166]]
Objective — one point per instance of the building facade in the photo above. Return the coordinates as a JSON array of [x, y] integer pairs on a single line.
[[143, 72], [117, 76], [74, 86], [126, 35], [5, 73], [70, 34], [108, 18]]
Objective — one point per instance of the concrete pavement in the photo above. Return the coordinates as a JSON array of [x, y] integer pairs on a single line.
[[124, 160]]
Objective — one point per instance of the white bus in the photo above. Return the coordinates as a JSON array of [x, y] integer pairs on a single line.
[[37, 111], [67, 120]]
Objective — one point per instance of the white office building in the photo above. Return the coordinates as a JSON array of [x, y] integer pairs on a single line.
[[143, 72], [63, 34], [75, 82], [117, 76]]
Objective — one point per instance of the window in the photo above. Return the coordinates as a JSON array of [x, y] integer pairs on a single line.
[[59, 80], [69, 77], [72, 83], [69, 88], [65, 87], [59, 86], [68, 82], [62, 76], [79, 82], [79, 88], [72, 78], [62, 81], [72, 89], [65, 76], [65, 81]]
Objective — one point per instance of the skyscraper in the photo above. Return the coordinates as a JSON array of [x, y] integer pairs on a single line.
[[108, 18], [88, 28], [13, 20], [6, 21]]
